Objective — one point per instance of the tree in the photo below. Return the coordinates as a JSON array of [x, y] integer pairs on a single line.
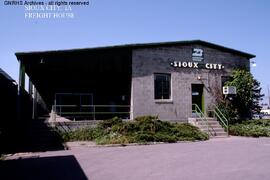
[[257, 97], [246, 101]]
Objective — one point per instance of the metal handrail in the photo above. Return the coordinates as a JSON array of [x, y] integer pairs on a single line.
[[58, 110], [222, 118], [85, 113], [198, 111], [221, 114], [73, 105]]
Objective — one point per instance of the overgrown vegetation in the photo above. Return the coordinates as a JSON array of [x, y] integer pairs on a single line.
[[251, 128], [245, 103], [141, 130]]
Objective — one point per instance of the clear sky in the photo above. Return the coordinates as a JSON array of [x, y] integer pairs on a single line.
[[239, 24]]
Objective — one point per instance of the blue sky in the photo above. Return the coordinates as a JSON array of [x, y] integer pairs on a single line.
[[238, 24]]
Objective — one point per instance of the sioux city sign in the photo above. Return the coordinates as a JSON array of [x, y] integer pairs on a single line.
[[196, 65], [197, 61]]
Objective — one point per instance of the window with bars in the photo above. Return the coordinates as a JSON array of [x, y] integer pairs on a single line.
[[162, 86]]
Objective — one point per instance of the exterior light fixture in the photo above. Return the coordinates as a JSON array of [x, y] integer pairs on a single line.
[[41, 61], [253, 63]]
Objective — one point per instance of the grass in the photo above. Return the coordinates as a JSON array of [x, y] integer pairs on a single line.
[[142, 130], [251, 128]]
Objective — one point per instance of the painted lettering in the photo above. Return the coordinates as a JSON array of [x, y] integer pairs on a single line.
[[184, 64], [194, 65]]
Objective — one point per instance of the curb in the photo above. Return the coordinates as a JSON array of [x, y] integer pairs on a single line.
[[70, 145]]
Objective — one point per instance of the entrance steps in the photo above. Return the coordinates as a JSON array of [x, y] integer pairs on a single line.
[[210, 126]]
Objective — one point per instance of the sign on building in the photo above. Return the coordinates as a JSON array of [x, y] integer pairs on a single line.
[[229, 90], [197, 54]]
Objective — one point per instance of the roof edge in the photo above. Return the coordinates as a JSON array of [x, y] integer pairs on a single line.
[[6, 75], [140, 45]]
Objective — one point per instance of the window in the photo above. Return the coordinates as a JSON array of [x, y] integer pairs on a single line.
[[225, 79], [162, 86]]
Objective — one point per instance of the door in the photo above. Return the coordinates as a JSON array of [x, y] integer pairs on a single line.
[[197, 95]]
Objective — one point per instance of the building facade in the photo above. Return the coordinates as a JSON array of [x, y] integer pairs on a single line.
[[160, 79]]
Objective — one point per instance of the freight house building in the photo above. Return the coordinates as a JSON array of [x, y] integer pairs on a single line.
[[162, 79]]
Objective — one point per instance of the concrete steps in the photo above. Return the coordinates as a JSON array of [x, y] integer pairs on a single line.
[[210, 126], [40, 137]]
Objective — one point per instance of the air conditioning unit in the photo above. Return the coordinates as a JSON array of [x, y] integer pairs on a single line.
[[229, 90]]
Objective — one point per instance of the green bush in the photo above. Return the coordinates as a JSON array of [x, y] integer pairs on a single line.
[[112, 138], [261, 122], [186, 131], [163, 137], [229, 112], [144, 137], [251, 128], [141, 130], [110, 122], [85, 134], [126, 128]]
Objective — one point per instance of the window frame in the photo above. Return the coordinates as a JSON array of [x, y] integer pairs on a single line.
[[170, 88]]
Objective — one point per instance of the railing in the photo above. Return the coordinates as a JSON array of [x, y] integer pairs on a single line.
[[196, 110], [91, 111], [221, 118]]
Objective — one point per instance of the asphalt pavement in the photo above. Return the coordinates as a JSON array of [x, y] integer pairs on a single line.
[[231, 158]]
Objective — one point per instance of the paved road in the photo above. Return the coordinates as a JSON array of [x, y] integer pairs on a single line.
[[217, 159]]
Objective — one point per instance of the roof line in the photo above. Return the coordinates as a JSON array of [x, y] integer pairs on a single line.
[[140, 45], [6, 75]]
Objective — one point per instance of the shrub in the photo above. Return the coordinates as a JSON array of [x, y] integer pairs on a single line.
[[146, 123], [144, 137], [228, 111], [85, 134], [126, 128], [109, 123], [251, 128], [186, 131], [163, 137], [141, 130], [261, 122], [112, 138]]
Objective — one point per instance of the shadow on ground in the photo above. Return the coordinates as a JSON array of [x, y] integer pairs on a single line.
[[45, 168], [30, 136]]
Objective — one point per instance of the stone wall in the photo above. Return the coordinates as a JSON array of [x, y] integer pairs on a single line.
[[147, 61]]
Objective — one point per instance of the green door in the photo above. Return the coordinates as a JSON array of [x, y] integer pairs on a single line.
[[197, 95]]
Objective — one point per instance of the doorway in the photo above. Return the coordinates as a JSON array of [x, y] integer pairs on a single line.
[[197, 95]]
